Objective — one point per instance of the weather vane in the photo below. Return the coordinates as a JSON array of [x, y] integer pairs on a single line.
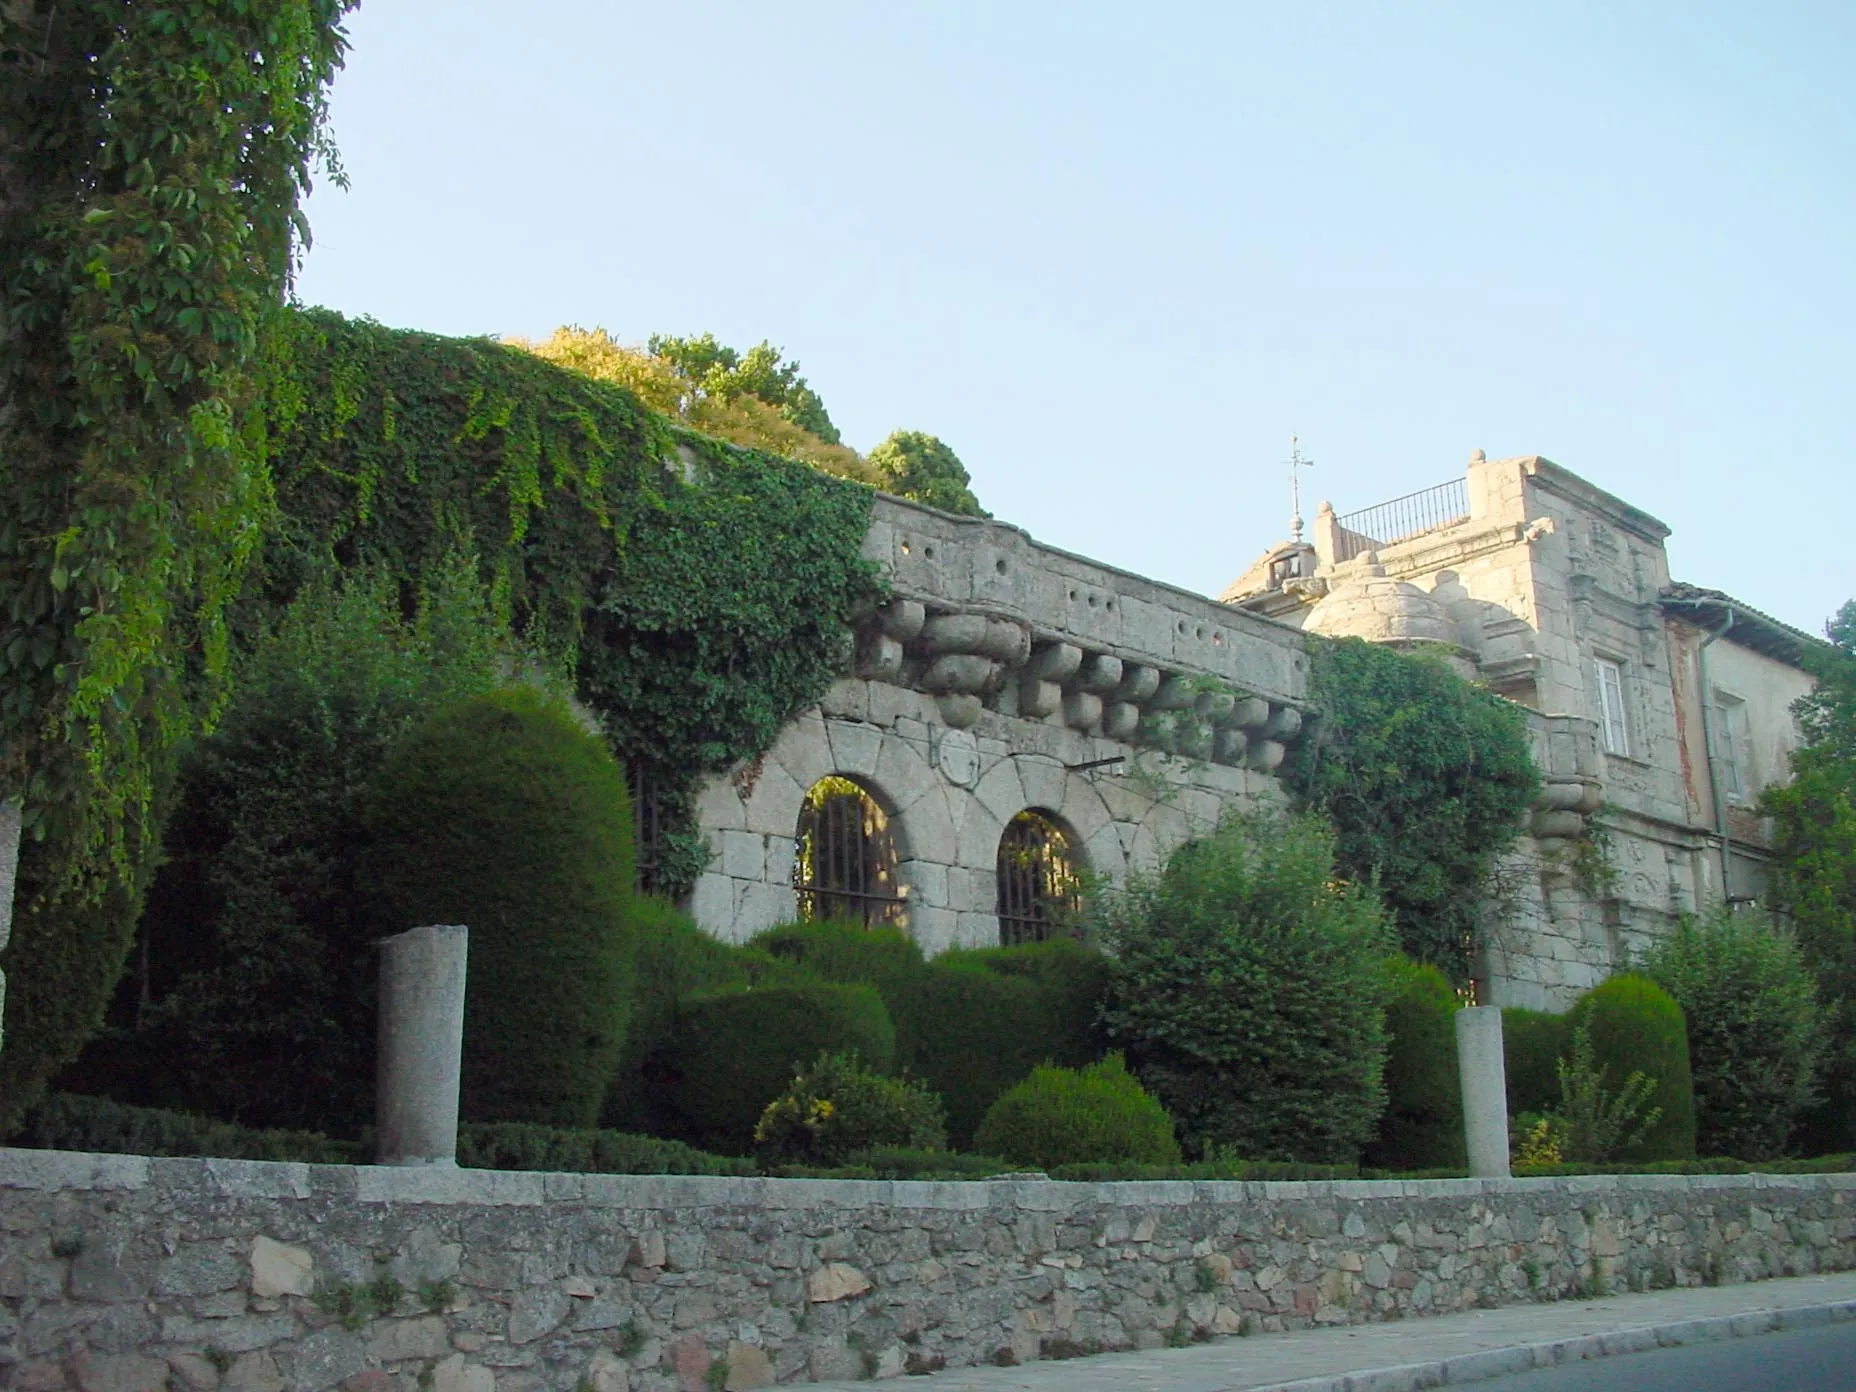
[[1296, 465]]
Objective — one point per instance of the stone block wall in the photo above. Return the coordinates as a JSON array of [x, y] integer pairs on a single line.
[[123, 1274]]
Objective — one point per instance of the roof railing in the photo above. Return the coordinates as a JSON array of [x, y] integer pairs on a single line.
[[1378, 526]]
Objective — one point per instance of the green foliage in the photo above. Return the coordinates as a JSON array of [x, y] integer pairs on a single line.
[[736, 1050], [154, 160], [1754, 1028], [917, 466], [1601, 1126], [513, 1145], [1070, 1116], [1532, 1044], [1425, 778], [837, 1109], [979, 1019], [1222, 1168], [1423, 1125], [673, 959], [1637, 1028], [713, 369], [65, 1121], [701, 593], [1248, 992], [253, 997], [505, 814], [971, 1022], [1814, 865]]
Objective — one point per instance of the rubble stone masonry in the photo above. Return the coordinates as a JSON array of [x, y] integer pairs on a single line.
[[126, 1274]]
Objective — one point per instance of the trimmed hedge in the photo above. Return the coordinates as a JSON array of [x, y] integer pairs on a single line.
[[979, 1019], [1637, 1027], [1423, 1125], [1533, 1041], [971, 1022], [504, 813], [515, 1145], [1097, 1114], [734, 1051], [66, 1121]]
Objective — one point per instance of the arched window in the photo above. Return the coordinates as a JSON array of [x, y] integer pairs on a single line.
[[647, 825], [1039, 888], [844, 865]]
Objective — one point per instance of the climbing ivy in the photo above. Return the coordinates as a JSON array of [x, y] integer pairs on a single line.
[[152, 158], [701, 593], [1427, 780]]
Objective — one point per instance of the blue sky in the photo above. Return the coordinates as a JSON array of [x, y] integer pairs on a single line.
[[1116, 255]]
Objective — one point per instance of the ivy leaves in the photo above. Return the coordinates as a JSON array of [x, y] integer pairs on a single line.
[[1426, 779]]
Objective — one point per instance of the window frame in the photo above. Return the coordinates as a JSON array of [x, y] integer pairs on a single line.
[[1731, 743], [1039, 898], [856, 873], [1613, 708]]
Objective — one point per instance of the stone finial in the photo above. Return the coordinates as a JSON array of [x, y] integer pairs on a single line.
[[1476, 456]]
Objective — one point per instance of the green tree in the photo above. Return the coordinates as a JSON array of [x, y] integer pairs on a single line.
[[715, 370], [152, 160], [1814, 864], [1249, 992], [1426, 779], [913, 465], [1754, 1028]]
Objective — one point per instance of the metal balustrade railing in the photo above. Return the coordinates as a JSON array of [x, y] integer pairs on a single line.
[[1381, 525]]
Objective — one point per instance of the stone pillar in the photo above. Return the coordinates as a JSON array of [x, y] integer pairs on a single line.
[[421, 1045], [1485, 1089], [9, 875]]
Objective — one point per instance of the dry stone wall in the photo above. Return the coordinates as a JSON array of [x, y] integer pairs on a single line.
[[123, 1274]]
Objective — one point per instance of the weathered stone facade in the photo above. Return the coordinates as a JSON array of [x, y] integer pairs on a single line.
[[123, 1274], [1557, 594], [1006, 676]]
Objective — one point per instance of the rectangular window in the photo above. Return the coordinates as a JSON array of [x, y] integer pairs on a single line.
[[1730, 747], [1612, 726]]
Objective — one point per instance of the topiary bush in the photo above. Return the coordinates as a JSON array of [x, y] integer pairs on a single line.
[[735, 1050], [1636, 1027], [1423, 1125], [65, 1121], [847, 952], [505, 814], [1248, 990], [252, 991], [1533, 1041], [516, 1145], [837, 1109], [1754, 1028], [673, 959], [977, 1020], [1071, 1116]]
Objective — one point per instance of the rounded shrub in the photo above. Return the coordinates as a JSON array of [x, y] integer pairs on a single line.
[[1636, 1027], [1423, 1125], [736, 1050], [1533, 1042], [505, 814], [837, 1110], [846, 952], [977, 1020], [1072, 1116], [1248, 991], [1754, 1029]]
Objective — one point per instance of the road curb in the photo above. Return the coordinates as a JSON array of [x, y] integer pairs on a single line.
[[1522, 1358]]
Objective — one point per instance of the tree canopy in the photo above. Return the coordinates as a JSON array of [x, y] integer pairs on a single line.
[[922, 468], [1814, 869]]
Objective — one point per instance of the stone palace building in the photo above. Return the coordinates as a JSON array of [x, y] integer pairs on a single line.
[[999, 733]]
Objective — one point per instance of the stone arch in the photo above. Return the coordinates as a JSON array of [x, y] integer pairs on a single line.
[[846, 861], [1037, 876]]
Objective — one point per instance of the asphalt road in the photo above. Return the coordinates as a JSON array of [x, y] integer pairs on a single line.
[[1805, 1360]]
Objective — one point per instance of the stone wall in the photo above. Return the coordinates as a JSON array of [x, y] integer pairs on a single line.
[[123, 1274], [1003, 676]]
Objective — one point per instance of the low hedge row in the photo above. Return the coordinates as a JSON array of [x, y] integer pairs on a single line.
[[66, 1121]]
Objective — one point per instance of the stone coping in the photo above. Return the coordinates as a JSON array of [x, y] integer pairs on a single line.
[[58, 1170]]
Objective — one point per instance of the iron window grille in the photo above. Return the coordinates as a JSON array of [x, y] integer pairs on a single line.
[[1039, 888], [844, 862]]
